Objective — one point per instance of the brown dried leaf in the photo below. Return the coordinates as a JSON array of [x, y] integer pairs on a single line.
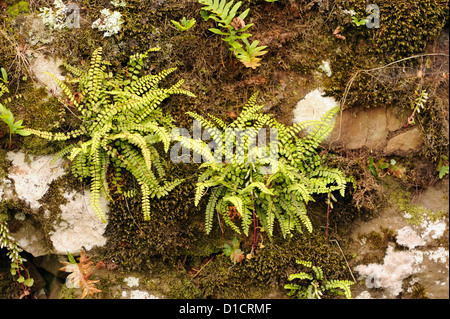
[[237, 23], [256, 80], [237, 256], [80, 273], [337, 35], [232, 114]]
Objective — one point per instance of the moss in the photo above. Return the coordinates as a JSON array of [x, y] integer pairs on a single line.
[[176, 228], [434, 120], [267, 271], [38, 111], [406, 28], [419, 292], [4, 165], [19, 8], [414, 214], [69, 293], [375, 245]]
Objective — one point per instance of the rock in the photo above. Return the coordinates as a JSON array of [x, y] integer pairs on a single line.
[[80, 227], [32, 177], [34, 31], [31, 238], [372, 129], [395, 121], [54, 287], [405, 143], [397, 266], [49, 65], [364, 295], [313, 106], [361, 128], [50, 263], [408, 237], [77, 225]]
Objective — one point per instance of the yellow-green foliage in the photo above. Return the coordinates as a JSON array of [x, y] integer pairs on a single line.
[[18, 8], [234, 30], [242, 189], [317, 283], [7, 117], [120, 124]]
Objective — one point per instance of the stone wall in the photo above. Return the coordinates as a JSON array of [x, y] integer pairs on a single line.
[[381, 130], [40, 231]]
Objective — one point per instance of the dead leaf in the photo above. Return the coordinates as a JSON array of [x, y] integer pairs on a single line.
[[337, 35], [232, 115], [256, 80], [237, 23], [237, 256], [397, 172], [80, 273]]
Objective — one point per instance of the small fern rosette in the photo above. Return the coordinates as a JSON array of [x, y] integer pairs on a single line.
[[318, 285], [121, 124], [243, 191]]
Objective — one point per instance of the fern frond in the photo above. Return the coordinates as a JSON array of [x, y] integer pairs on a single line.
[[223, 210], [301, 276], [344, 285], [164, 190], [236, 201], [305, 263], [65, 89], [74, 70], [145, 201], [210, 208], [300, 212]]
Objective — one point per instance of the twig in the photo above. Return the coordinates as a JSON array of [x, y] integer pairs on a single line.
[[328, 215], [198, 271], [348, 266]]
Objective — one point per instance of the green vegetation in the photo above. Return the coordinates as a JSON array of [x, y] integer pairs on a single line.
[[224, 13], [15, 10], [234, 251], [4, 75], [318, 285], [120, 125], [15, 127], [98, 125], [358, 22], [243, 186], [443, 167], [17, 262], [184, 24]]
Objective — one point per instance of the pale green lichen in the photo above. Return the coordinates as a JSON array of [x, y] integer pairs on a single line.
[[110, 22], [55, 19]]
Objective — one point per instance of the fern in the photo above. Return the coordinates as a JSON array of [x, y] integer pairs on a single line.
[[233, 29], [121, 125], [15, 127], [317, 284], [239, 191]]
